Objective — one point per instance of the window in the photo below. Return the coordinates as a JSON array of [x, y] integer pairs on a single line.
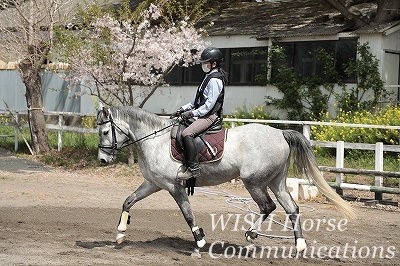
[[193, 75], [242, 64], [345, 50], [302, 56], [173, 77], [246, 64]]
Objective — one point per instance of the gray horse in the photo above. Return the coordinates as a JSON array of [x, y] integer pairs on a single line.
[[259, 155]]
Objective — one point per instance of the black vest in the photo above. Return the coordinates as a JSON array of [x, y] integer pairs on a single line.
[[200, 100]]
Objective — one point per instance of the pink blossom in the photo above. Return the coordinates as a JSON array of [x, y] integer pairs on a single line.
[[133, 64]]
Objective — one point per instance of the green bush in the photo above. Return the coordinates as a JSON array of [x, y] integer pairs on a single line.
[[257, 112], [388, 116], [89, 122]]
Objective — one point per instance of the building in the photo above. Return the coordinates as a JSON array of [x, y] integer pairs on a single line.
[[245, 31]]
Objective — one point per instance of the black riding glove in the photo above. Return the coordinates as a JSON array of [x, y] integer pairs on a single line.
[[177, 113], [187, 115]]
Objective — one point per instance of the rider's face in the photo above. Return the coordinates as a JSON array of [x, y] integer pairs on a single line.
[[206, 66]]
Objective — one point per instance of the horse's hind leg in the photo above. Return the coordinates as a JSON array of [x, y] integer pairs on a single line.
[[145, 189], [265, 204], [279, 188]]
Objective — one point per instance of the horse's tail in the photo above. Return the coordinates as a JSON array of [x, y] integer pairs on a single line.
[[305, 162]]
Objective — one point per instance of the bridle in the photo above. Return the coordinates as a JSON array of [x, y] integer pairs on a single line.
[[114, 146]]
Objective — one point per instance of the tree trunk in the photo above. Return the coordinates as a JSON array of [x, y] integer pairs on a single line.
[[34, 101]]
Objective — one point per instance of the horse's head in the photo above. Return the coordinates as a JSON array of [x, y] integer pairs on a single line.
[[112, 135]]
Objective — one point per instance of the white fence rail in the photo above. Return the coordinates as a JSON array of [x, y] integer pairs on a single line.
[[340, 146]]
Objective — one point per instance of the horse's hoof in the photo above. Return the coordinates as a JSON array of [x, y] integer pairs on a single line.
[[196, 254], [120, 238], [251, 235], [250, 247], [301, 244]]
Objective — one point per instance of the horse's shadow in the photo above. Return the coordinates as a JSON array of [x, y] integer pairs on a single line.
[[186, 247], [180, 245]]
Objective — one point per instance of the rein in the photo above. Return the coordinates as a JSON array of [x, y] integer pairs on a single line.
[[128, 142]]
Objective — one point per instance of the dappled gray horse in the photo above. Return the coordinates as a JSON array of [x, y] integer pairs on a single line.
[[259, 155]]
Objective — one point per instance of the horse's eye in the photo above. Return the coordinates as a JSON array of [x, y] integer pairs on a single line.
[[106, 132]]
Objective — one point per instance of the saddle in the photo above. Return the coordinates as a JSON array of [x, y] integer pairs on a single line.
[[209, 144]]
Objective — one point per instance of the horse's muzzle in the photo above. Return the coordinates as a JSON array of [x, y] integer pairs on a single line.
[[103, 161], [105, 158]]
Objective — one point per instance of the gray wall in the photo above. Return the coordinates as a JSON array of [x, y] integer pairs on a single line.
[[56, 95]]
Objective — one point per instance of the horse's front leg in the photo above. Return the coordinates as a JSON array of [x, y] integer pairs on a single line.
[[145, 189], [182, 200]]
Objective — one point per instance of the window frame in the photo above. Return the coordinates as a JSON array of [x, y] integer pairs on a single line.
[[293, 56]]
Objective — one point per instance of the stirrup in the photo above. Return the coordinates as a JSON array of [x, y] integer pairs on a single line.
[[184, 173]]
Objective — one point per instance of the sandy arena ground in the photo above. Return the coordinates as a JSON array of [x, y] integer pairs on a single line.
[[56, 217]]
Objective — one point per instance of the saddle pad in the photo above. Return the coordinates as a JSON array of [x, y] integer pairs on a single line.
[[216, 141]]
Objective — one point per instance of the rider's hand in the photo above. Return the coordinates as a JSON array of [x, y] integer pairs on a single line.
[[187, 115], [177, 113]]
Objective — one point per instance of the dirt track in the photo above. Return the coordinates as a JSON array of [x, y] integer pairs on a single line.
[[54, 217]]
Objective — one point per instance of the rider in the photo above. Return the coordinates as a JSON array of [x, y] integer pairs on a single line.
[[206, 108]]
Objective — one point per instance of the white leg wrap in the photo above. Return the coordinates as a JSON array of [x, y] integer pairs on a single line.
[[123, 223], [301, 245], [201, 243]]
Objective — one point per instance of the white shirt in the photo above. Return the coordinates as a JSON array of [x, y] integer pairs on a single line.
[[211, 93]]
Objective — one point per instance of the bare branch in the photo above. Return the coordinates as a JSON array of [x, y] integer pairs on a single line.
[[356, 20]]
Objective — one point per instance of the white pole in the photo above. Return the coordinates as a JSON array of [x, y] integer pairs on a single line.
[[339, 160], [307, 131], [60, 121], [16, 132], [378, 167]]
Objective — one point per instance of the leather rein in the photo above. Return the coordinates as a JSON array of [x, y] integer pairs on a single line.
[[114, 146]]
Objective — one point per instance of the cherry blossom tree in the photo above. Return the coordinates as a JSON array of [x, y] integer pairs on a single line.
[[123, 63]]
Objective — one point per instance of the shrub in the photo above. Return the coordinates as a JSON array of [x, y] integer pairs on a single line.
[[388, 116], [257, 112], [89, 122]]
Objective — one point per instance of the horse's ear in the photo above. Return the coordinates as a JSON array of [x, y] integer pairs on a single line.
[[108, 112], [101, 106]]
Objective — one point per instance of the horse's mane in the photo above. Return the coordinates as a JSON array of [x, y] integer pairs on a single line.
[[130, 114]]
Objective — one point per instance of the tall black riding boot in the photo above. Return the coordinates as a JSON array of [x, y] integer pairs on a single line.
[[192, 168]]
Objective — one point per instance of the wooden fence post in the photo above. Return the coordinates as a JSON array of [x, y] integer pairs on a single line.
[[378, 167], [339, 164]]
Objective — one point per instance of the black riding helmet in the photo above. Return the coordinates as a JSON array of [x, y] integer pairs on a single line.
[[211, 54]]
